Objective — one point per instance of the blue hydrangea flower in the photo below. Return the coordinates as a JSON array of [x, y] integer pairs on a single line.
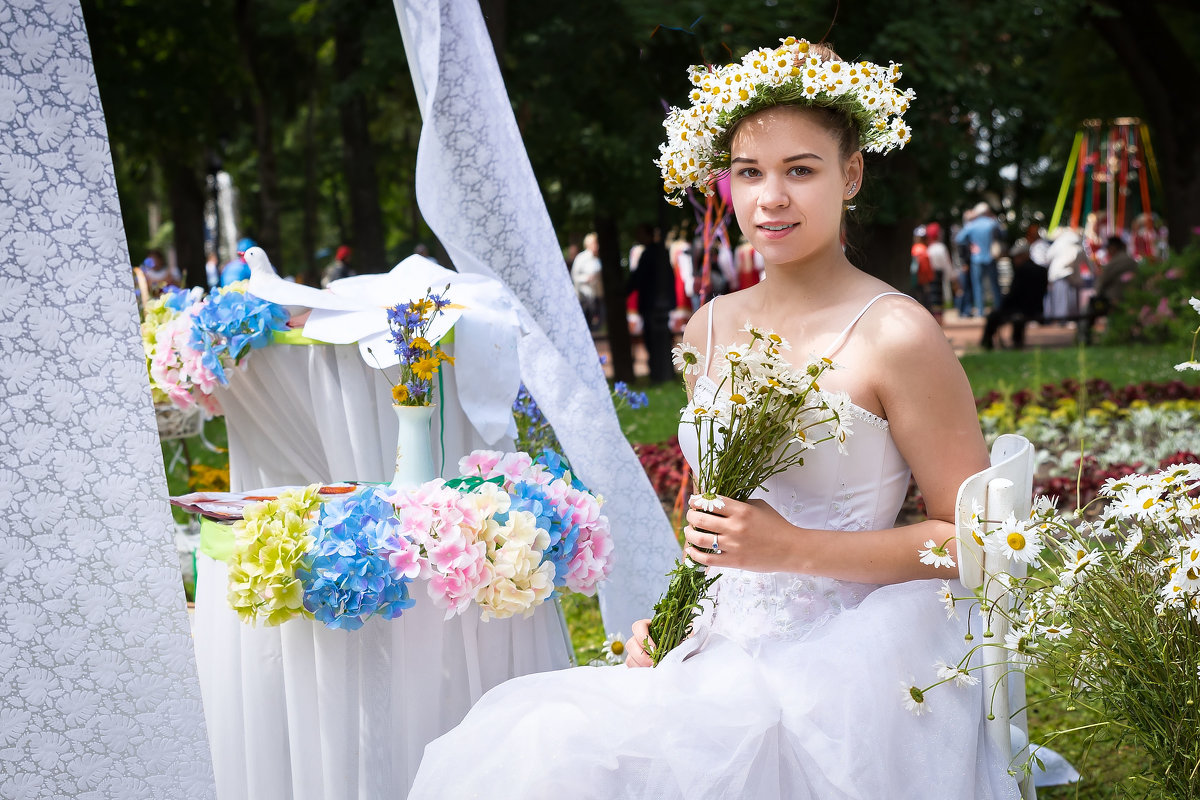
[[346, 575], [232, 323]]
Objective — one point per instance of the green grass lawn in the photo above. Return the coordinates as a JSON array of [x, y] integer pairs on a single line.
[[1029, 369], [1000, 370]]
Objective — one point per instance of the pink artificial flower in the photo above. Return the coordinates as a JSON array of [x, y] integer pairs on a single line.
[[406, 561], [479, 462], [513, 466], [592, 561]]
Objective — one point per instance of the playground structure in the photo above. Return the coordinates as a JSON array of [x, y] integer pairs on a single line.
[[1109, 172]]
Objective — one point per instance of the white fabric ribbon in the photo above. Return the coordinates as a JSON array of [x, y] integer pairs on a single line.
[[478, 194]]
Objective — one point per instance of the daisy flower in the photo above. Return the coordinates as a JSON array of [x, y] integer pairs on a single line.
[[960, 676], [687, 358], [1013, 540], [614, 649], [936, 554], [707, 502], [946, 595], [914, 699]]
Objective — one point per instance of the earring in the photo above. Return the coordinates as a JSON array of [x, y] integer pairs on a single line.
[[848, 206]]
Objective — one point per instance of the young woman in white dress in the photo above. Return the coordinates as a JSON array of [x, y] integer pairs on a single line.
[[795, 684]]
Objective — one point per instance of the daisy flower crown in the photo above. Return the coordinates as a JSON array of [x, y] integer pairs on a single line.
[[697, 146]]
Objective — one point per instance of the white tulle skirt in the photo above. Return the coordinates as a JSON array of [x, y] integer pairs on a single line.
[[819, 715]]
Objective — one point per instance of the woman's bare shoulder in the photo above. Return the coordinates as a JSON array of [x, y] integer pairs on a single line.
[[898, 323]]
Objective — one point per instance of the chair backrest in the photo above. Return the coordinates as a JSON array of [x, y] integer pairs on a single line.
[[1012, 461], [1003, 488]]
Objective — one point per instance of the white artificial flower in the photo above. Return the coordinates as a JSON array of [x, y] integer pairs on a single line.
[[914, 699], [1195, 304], [1187, 365], [935, 554]]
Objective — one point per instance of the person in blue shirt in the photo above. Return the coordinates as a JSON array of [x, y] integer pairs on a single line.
[[980, 233], [237, 269]]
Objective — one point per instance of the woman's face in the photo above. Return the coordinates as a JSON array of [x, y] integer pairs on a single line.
[[789, 182]]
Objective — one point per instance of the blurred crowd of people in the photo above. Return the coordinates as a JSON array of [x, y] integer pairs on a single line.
[[1071, 277]]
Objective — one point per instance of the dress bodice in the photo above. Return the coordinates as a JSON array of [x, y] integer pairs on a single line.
[[859, 490], [862, 489]]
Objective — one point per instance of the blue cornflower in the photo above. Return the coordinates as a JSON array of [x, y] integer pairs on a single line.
[[635, 400]]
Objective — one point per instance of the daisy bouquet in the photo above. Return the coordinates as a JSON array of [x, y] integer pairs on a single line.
[[762, 418], [1109, 612]]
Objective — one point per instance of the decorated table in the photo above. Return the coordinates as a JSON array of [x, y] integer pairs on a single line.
[[298, 709]]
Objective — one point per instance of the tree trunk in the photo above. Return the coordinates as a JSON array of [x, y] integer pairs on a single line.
[[495, 18], [1166, 77], [362, 183], [185, 196], [268, 233], [308, 232], [883, 247], [883, 250], [612, 277]]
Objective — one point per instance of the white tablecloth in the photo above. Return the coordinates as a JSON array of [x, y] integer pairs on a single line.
[[300, 711]]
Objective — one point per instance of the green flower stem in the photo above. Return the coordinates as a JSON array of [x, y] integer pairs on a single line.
[[755, 443]]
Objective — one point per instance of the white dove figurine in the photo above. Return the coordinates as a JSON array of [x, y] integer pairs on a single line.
[[298, 298]]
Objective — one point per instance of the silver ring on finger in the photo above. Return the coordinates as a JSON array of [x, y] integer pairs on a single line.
[[716, 545]]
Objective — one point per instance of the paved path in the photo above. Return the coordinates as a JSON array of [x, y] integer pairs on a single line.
[[964, 336]]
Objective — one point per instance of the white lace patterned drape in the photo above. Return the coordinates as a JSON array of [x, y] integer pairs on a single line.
[[98, 691], [478, 193]]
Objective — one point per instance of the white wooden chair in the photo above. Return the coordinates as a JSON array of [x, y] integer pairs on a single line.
[[1004, 487]]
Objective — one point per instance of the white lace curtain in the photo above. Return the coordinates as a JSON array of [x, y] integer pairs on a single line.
[[478, 193], [98, 691]]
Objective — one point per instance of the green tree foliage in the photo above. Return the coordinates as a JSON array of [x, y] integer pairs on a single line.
[[1001, 87]]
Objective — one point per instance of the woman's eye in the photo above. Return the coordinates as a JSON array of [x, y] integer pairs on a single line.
[[747, 172], [801, 171]]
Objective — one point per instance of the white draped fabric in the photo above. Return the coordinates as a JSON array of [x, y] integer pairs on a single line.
[[478, 193], [98, 690], [300, 711]]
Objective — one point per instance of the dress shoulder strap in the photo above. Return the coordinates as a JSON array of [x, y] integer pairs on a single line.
[[841, 339], [712, 310]]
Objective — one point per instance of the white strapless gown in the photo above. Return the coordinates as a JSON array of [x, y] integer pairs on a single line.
[[791, 687]]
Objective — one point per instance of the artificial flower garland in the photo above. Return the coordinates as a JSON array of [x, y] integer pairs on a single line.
[[697, 145], [506, 535]]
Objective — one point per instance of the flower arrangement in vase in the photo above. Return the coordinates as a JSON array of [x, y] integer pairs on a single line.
[[412, 395]]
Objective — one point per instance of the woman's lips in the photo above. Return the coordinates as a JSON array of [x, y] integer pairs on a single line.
[[776, 230]]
